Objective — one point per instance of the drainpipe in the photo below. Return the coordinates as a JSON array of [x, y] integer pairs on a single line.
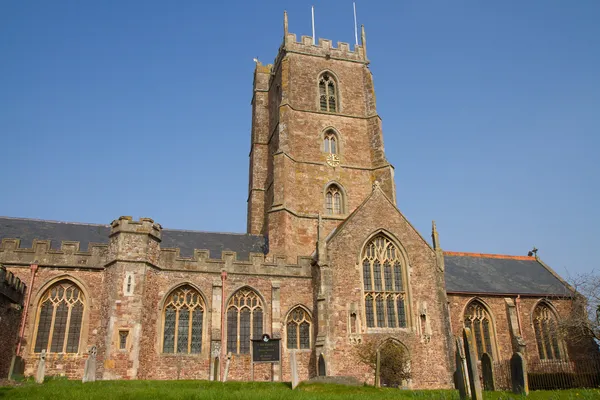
[[517, 303], [34, 268], [223, 344]]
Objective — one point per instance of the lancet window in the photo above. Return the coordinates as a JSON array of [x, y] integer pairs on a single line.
[[244, 320], [183, 318], [383, 284], [330, 142], [60, 317], [334, 200]]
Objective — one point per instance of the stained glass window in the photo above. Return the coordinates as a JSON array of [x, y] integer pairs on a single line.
[[298, 329], [478, 319], [60, 317], [327, 93], [546, 334], [245, 308], [182, 329], [381, 264]]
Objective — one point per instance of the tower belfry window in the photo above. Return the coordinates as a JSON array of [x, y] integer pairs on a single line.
[[333, 199], [327, 93], [330, 143]]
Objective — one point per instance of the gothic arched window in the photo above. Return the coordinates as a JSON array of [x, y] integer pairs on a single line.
[[383, 284], [60, 316], [327, 93], [330, 144], [298, 329], [546, 333], [183, 318], [478, 319], [334, 200], [244, 320]]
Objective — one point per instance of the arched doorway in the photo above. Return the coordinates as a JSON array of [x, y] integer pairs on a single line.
[[394, 367], [321, 367]]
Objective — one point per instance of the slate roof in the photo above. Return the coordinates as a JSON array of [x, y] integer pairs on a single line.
[[29, 229], [498, 274]]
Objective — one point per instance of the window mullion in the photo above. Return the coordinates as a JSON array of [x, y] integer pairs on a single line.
[[176, 330], [49, 345], [66, 338], [190, 324]]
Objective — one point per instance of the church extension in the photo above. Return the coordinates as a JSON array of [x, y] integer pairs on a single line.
[[328, 261]]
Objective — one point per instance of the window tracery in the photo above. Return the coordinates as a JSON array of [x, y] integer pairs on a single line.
[[330, 142], [298, 326], [327, 93], [334, 200], [546, 333], [183, 318], [244, 320], [478, 319], [60, 316], [384, 292]]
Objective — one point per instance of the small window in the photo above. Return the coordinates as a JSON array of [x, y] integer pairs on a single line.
[[327, 93], [123, 339], [330, 143], [298, 329], [333, 199], [128, 284]]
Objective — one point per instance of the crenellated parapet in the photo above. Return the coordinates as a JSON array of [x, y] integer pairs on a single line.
[[69, 255], [257, 264], [324, 48], [145, 226], [134, 241], [11, 287]]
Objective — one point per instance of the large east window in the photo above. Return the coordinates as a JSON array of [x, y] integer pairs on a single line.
[[383, 284]]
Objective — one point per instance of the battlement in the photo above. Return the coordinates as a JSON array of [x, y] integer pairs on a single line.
[[126, 224], [11, 286], [324, 48], [257, 263]]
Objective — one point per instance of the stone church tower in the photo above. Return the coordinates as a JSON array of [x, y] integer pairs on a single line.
[[316, 135]]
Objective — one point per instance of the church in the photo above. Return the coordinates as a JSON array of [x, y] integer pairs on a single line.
[[327, 264]]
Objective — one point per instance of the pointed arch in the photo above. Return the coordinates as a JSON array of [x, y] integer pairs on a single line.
[[61, 313], [183, 320], [478, 317], [298, 328], [385, 283], [335, 199], [394, 368], [245, 319], [331, 142], [328, 92], [544, 319]]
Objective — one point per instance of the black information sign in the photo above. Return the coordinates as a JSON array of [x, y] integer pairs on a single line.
[[265, 350]]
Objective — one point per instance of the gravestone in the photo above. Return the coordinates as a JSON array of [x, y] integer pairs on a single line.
[[487, 370], [460, 375], [378, 369], [89, 371], [472, 365], [227, 363], [17, 368], [39, 377], [294, 369], [518, 374]]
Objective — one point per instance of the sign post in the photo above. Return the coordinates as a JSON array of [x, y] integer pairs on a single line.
[[265, 350]]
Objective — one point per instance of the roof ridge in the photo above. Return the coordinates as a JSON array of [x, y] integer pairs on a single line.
[[488, 255], [53, 221]]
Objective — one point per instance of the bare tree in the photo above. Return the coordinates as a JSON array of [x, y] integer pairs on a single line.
[[394, 367], [583, 322]]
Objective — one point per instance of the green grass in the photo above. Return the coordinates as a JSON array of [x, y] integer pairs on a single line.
[[60, 389]]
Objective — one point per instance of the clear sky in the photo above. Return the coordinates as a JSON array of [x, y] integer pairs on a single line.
[[491, 113]]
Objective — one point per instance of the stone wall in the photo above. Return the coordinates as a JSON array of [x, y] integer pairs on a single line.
[[12, 292]]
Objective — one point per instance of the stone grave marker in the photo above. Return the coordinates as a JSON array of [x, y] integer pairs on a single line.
[[41, 371], [378, 369], [294, 369], [460, 374], [472, 365], [227, 363], [487, 370], [89, 371], [518, 374]]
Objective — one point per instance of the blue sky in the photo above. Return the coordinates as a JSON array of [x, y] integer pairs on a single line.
[[491, 113]]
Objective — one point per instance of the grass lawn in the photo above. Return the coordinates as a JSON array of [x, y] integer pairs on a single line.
[[59, 389]]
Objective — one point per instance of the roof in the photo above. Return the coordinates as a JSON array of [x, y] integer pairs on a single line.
[[500, 274], [29, 229]]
